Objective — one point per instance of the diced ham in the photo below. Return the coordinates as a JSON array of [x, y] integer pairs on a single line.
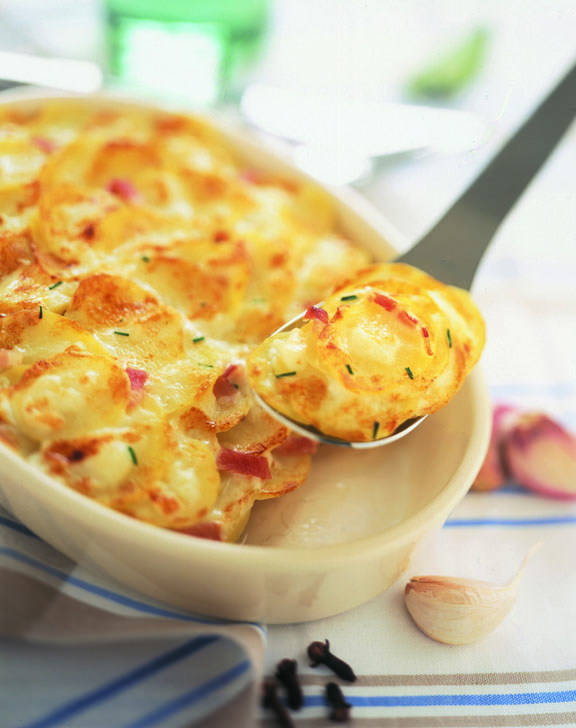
[[297, 445], [407, 318], [138, 378], [426, 336], [46, 145], [243, 463], [252, 176], [123, 188], [10, 358], [337, 316], [316, 313], [223, 387], [385, 301]]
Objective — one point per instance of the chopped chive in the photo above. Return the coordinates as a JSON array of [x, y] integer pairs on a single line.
[[409, 372], [258, 299], [132, 454], [375, 429], [40, 314], [236, 386], [208, 366], [55, 285], [145, 258], [449, 338], [285, 374], [197, 339], [349, 298], [349, 368], [121, 333]]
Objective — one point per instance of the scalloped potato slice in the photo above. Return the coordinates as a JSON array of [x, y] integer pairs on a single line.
[[69, 394], [231, 510], [198, 278], [57, 121], [65, 227], [378, 343], [128, 321], [200, 388], [137, 174], [41, 338], [257, 433], [32, 283], [15, 251], [20, 159], [238, 493], [189, 143], [146, 471], [288, 473], [190, 384], [326, 263]]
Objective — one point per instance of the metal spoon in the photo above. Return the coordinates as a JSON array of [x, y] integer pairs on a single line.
[[453, 249]]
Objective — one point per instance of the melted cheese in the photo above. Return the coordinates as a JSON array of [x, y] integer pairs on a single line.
[[140, 262], [397, 344]]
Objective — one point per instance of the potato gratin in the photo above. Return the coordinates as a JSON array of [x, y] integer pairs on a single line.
[[140, 265], [389, 345]]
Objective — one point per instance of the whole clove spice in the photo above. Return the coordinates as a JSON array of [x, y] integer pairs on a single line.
[[319, 653], [271, 700], [340, 712], [286, 673]]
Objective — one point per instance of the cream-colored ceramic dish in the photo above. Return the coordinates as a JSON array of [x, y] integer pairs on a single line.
[[339, 540]]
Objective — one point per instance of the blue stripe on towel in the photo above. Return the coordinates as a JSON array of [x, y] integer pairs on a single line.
[[67, 711], [389, 701], [188, 699], [550, 521], [16, 526]]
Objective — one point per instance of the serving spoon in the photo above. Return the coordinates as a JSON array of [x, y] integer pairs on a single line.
[[452, 250]]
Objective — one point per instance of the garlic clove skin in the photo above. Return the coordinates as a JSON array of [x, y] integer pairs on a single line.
[[540, 454], [492, 473], [458, 611]]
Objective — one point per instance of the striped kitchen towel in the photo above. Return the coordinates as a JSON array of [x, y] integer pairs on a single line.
[[79, 652]]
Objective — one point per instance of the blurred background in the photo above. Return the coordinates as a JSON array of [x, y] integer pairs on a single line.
[[356, 91]]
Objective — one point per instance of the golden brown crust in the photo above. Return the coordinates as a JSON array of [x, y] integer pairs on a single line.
[[139, 263], [390, 344]]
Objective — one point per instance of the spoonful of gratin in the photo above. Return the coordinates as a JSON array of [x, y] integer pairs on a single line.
[[381, 352], [394, 344]]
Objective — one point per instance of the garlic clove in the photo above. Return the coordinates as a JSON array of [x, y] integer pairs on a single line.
[[540, 454], [492, 473], [459, 611]]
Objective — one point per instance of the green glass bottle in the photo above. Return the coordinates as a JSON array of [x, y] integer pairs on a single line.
[[193, 51]]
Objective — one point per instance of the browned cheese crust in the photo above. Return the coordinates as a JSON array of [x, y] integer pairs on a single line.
[[140, 262], [390, 344]]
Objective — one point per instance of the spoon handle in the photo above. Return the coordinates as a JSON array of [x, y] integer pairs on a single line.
[[451, 251]]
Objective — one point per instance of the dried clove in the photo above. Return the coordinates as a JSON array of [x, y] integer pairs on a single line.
[[319, 653], [286, 673], [340, 712], [271, 700]]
